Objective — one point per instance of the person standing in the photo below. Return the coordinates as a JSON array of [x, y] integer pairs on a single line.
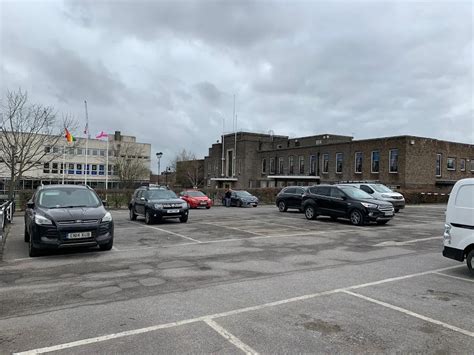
[[227, 196]]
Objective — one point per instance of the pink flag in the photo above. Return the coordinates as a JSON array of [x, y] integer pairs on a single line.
[[102, 134]]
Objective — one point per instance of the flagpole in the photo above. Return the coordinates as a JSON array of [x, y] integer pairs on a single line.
[[107, 166], [86, 170], [64, 160]]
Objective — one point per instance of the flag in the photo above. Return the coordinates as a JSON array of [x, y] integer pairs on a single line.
[[69, 137], [102, 134]]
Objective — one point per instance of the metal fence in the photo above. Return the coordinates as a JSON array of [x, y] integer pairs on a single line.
[[6, 215]]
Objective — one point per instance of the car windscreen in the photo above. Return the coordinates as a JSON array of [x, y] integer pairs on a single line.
[[68, 197], [355, 193], [160, 194], [242, 193], [195, 194], [381, 188]]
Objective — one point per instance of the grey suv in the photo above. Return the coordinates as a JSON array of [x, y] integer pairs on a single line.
[[156, 204], [345, 202]]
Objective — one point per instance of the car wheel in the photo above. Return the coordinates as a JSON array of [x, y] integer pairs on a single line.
[[107, 246], [356, 218], [282, 206], [133, 215], [148, 217], [183, 219], [310, 212], [469, 258], [32, 251], [27, 235], [382, 222], [207, 207], [397, 210]]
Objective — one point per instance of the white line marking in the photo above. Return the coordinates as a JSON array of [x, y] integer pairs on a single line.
[[394, 243], [454, 277], [227, 227], [223, 314], [166, 231], [230, 337], [413, 314], [115, 248]]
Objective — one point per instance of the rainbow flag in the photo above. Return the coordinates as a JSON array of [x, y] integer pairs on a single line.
[[69, 137], [102, 134]]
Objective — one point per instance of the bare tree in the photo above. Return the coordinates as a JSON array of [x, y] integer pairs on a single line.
[[189, 170], [130, 167], [26, 129]]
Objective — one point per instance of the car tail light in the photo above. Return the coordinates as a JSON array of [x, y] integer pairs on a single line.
[[447, 233]]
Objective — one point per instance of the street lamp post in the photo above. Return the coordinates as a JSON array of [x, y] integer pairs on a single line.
[[158, 156]]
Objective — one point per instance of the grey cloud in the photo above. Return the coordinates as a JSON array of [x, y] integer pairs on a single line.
[[209, 92]]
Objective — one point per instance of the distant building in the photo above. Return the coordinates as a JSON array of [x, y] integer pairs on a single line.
[[249, 160], [75, 167]]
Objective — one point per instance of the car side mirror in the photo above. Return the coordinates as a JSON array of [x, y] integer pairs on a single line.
[[142, 198], [30, 204], [344, 197], [105, 203]]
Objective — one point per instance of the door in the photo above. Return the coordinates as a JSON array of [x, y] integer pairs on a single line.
[[140, 203], [297, 197], [339, 204], [323, 199]]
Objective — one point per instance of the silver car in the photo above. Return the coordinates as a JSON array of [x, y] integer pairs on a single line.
[[382, 192]]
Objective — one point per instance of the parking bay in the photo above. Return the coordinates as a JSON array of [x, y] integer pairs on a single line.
[[250, 279]]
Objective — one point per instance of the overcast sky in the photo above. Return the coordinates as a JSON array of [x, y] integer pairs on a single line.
[[166, 71]]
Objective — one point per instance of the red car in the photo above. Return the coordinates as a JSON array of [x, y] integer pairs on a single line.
[[196, 198]]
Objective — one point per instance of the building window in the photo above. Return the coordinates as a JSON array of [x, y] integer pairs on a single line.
[[291, 165], [472, 165], [102, 152], [239, 166], [393, 161], [301, 164], [95, 152], [79, 151], [101, 169], [86, 169], [325, 163], [264, 166], [47, 149], [78, 169], [338, 163], [358, 163], [375, 162], [54, 169], [46, 168], [312, 165], [462, 164], [94, 169], [70, 168], [272, 165], [280, 165], [439, 157], [451, 165]]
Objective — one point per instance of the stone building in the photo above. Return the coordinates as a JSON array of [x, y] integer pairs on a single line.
[[251, 160], [76, 167]]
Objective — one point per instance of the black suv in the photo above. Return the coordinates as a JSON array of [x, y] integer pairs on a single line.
[[65, 216], [157, 203], [290, 197], [345, 202]]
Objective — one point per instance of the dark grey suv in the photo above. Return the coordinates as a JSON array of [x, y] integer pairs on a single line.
[[290, 197], [156, 204], [345, 202]]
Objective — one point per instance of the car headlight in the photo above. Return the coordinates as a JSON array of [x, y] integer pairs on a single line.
[[368, 205], [386, 196], [42, 221], [107, 217], [184, 205], [158, 206]]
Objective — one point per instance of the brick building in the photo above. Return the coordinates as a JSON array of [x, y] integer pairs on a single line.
[[251, 160]]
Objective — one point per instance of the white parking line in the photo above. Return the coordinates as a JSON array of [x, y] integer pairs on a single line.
[[390, 243], [229, 313], [167, 231], [230, 337], [413, 314], [455, 277], [234, 228]]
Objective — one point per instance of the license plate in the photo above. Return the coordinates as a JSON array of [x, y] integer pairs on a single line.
[[389, 213], [203, 203], [173, 211], [79, 235]]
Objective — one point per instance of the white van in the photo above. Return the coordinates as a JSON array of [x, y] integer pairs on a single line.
[[381, 192], [459, 227]]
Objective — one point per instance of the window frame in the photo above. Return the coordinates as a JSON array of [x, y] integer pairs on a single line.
[[390, 152], [326, 163], [372, 171], [264, 165], [454, 164], [438, 165], [462, 164], [301, 164], [339, 161], [291, 167], [355, 162]]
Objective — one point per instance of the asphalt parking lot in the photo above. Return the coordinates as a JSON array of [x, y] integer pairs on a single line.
[[235, 280]]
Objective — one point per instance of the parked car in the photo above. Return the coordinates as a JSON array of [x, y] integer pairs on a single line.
[[196, 198], [341, 201], [382, 192], [290, 197], [459, 226], [156, 204], [242, 198], [65, 216]]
